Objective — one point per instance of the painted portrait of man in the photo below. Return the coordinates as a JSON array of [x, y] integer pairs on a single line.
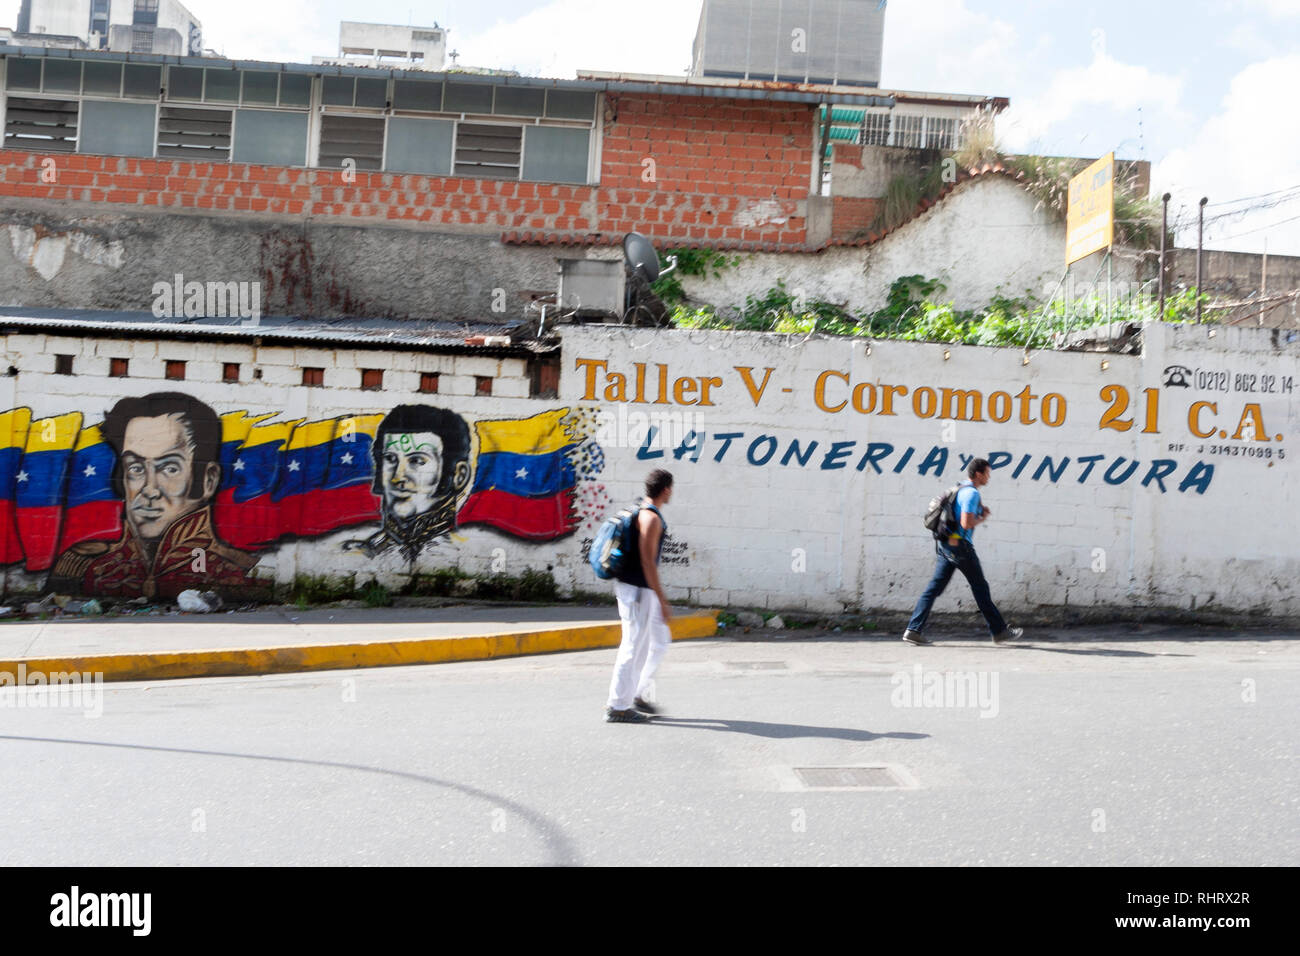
[[421, 467], [167, 472]]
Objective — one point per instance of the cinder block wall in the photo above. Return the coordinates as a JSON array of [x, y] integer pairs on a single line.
[[803, 467], [791, 497]]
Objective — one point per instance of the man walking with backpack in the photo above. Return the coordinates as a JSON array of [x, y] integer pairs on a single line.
[[642, 607], [955, 544]]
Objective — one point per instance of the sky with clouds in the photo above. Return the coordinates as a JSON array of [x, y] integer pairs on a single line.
[[1200, 88]]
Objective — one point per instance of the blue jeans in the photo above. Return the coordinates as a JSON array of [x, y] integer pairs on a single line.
[[959, 557]]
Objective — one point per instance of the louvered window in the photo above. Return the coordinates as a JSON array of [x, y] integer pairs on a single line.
[[360, 138], [488, 151], [194, 134], [41, 125]]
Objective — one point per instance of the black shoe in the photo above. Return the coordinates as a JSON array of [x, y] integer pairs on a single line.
[[645, 706], [912, 637], [1010, 634], [629, 716]]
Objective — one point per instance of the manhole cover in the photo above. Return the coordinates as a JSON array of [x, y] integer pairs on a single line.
[[755, 665], [849, 778]]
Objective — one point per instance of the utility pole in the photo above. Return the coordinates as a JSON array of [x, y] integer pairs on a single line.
[[1200, 253]]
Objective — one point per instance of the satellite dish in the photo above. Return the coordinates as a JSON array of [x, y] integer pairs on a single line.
[[641, 256]]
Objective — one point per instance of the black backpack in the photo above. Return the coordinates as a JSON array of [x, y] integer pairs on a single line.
[[941, 515]]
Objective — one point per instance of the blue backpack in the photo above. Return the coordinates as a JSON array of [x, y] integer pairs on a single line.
[[609, 555], [613, 542]]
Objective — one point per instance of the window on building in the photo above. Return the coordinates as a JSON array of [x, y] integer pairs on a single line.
[[372, 379], [185, 133], [544, 376], [175, 371], [104, 79], [420, 145], [482, 384], [117, 368], [63, 365], [875, 129], [270, 138], [491, 152], [146, 12], [941, 132], [555, 154], [230, 372], [115, 128], [141, 40], [313, 376], [359, 138], [41, 125], [429, 383], [909, 131]]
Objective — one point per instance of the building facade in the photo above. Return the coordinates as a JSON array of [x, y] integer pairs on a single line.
[[123, 26]]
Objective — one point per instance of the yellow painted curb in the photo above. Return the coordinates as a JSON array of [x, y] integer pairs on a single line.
[[231, 662]]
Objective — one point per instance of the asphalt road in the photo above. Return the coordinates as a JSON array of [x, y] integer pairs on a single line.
[[1160, 746]]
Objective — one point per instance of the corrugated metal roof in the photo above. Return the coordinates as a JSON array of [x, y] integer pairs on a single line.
[[402, 335], [673, 86]]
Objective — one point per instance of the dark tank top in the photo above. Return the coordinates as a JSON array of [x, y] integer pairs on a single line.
[[634, 573]]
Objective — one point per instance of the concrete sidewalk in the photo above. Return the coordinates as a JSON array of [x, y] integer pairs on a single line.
[[281, 640]]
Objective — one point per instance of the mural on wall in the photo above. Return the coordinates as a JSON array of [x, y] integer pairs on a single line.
[[166, 495]]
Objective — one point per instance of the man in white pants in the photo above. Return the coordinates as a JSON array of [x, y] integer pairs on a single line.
[[643, 608]]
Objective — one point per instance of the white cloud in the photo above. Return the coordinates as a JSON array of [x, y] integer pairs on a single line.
[[567, 35], [941, 46], [1105, 82], [286, 31], [1250, 147]]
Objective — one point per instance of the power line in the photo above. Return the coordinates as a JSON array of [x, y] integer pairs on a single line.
[[1229, 202], [1260, 229]]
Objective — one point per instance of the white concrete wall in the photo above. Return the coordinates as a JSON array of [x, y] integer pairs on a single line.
[[835, 533], [985, 238], [1200, 522]]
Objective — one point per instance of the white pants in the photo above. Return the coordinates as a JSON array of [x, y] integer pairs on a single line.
[[645, 638]]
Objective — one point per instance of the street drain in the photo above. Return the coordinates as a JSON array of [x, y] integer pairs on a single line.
[[755, 665], [850, 778]]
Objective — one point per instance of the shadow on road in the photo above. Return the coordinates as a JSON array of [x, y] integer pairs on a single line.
[[562, 850], [758, 728], [1093, 651]]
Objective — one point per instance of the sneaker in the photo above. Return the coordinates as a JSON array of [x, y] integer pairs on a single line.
[[1010, 634], [629, 716], [912, 637], [645, 706]]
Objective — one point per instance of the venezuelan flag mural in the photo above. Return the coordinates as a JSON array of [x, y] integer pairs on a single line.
[[13, 440], [122, 503], [41, 487], [524, 477]]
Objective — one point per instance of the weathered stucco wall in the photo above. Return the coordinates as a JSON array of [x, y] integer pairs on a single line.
[[802, 467], [985, 238], [90, 257]]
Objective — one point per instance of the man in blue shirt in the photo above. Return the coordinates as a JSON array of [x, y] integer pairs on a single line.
[[957, 553]]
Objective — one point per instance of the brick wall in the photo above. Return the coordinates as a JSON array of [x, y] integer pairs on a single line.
[[852, 217], [722, 171]]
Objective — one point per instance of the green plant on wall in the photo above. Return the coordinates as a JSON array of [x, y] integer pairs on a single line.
[[690, 262], [916, 311]]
